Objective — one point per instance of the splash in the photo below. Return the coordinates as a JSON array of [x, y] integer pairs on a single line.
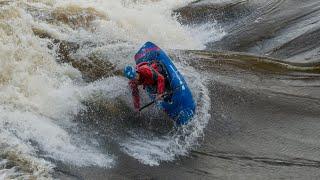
[[39, 97], [152, 149]]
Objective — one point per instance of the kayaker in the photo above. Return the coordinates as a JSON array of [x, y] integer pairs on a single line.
[[149, 77]]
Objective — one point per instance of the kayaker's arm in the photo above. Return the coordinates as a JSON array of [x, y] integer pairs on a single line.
[[161, 84], [135, 93]]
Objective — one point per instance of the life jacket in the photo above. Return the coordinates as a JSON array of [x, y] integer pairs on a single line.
[[154, 72], [160, 70]]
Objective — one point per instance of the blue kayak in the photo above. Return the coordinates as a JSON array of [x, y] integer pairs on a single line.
[[180, 105]]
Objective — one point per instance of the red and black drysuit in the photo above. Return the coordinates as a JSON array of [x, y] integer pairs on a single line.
[[148, 76]]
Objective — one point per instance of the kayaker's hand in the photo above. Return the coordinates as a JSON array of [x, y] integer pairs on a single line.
[[137, 113], [159, 97], [136, 110]]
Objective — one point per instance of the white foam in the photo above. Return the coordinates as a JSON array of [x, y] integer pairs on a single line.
[[208, 32], [136, 22], [39, 97]]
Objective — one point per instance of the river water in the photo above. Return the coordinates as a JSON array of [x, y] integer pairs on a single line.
[[67, 114]]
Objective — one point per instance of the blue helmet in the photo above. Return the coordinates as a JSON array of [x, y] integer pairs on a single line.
[[130, 72]]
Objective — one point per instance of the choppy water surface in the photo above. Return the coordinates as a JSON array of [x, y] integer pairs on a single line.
[[66, 112]]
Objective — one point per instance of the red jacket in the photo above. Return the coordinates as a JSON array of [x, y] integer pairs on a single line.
[[146, 79]]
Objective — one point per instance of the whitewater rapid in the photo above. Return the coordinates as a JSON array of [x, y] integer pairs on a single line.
[[39, 97]]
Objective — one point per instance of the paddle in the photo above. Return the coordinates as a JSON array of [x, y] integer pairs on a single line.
[[152, 102], [165, 94]]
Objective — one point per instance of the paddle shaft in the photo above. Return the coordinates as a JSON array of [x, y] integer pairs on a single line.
[[152, 102], [147, 105]]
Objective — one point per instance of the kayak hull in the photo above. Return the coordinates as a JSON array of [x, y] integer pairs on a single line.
[[181, 106]]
